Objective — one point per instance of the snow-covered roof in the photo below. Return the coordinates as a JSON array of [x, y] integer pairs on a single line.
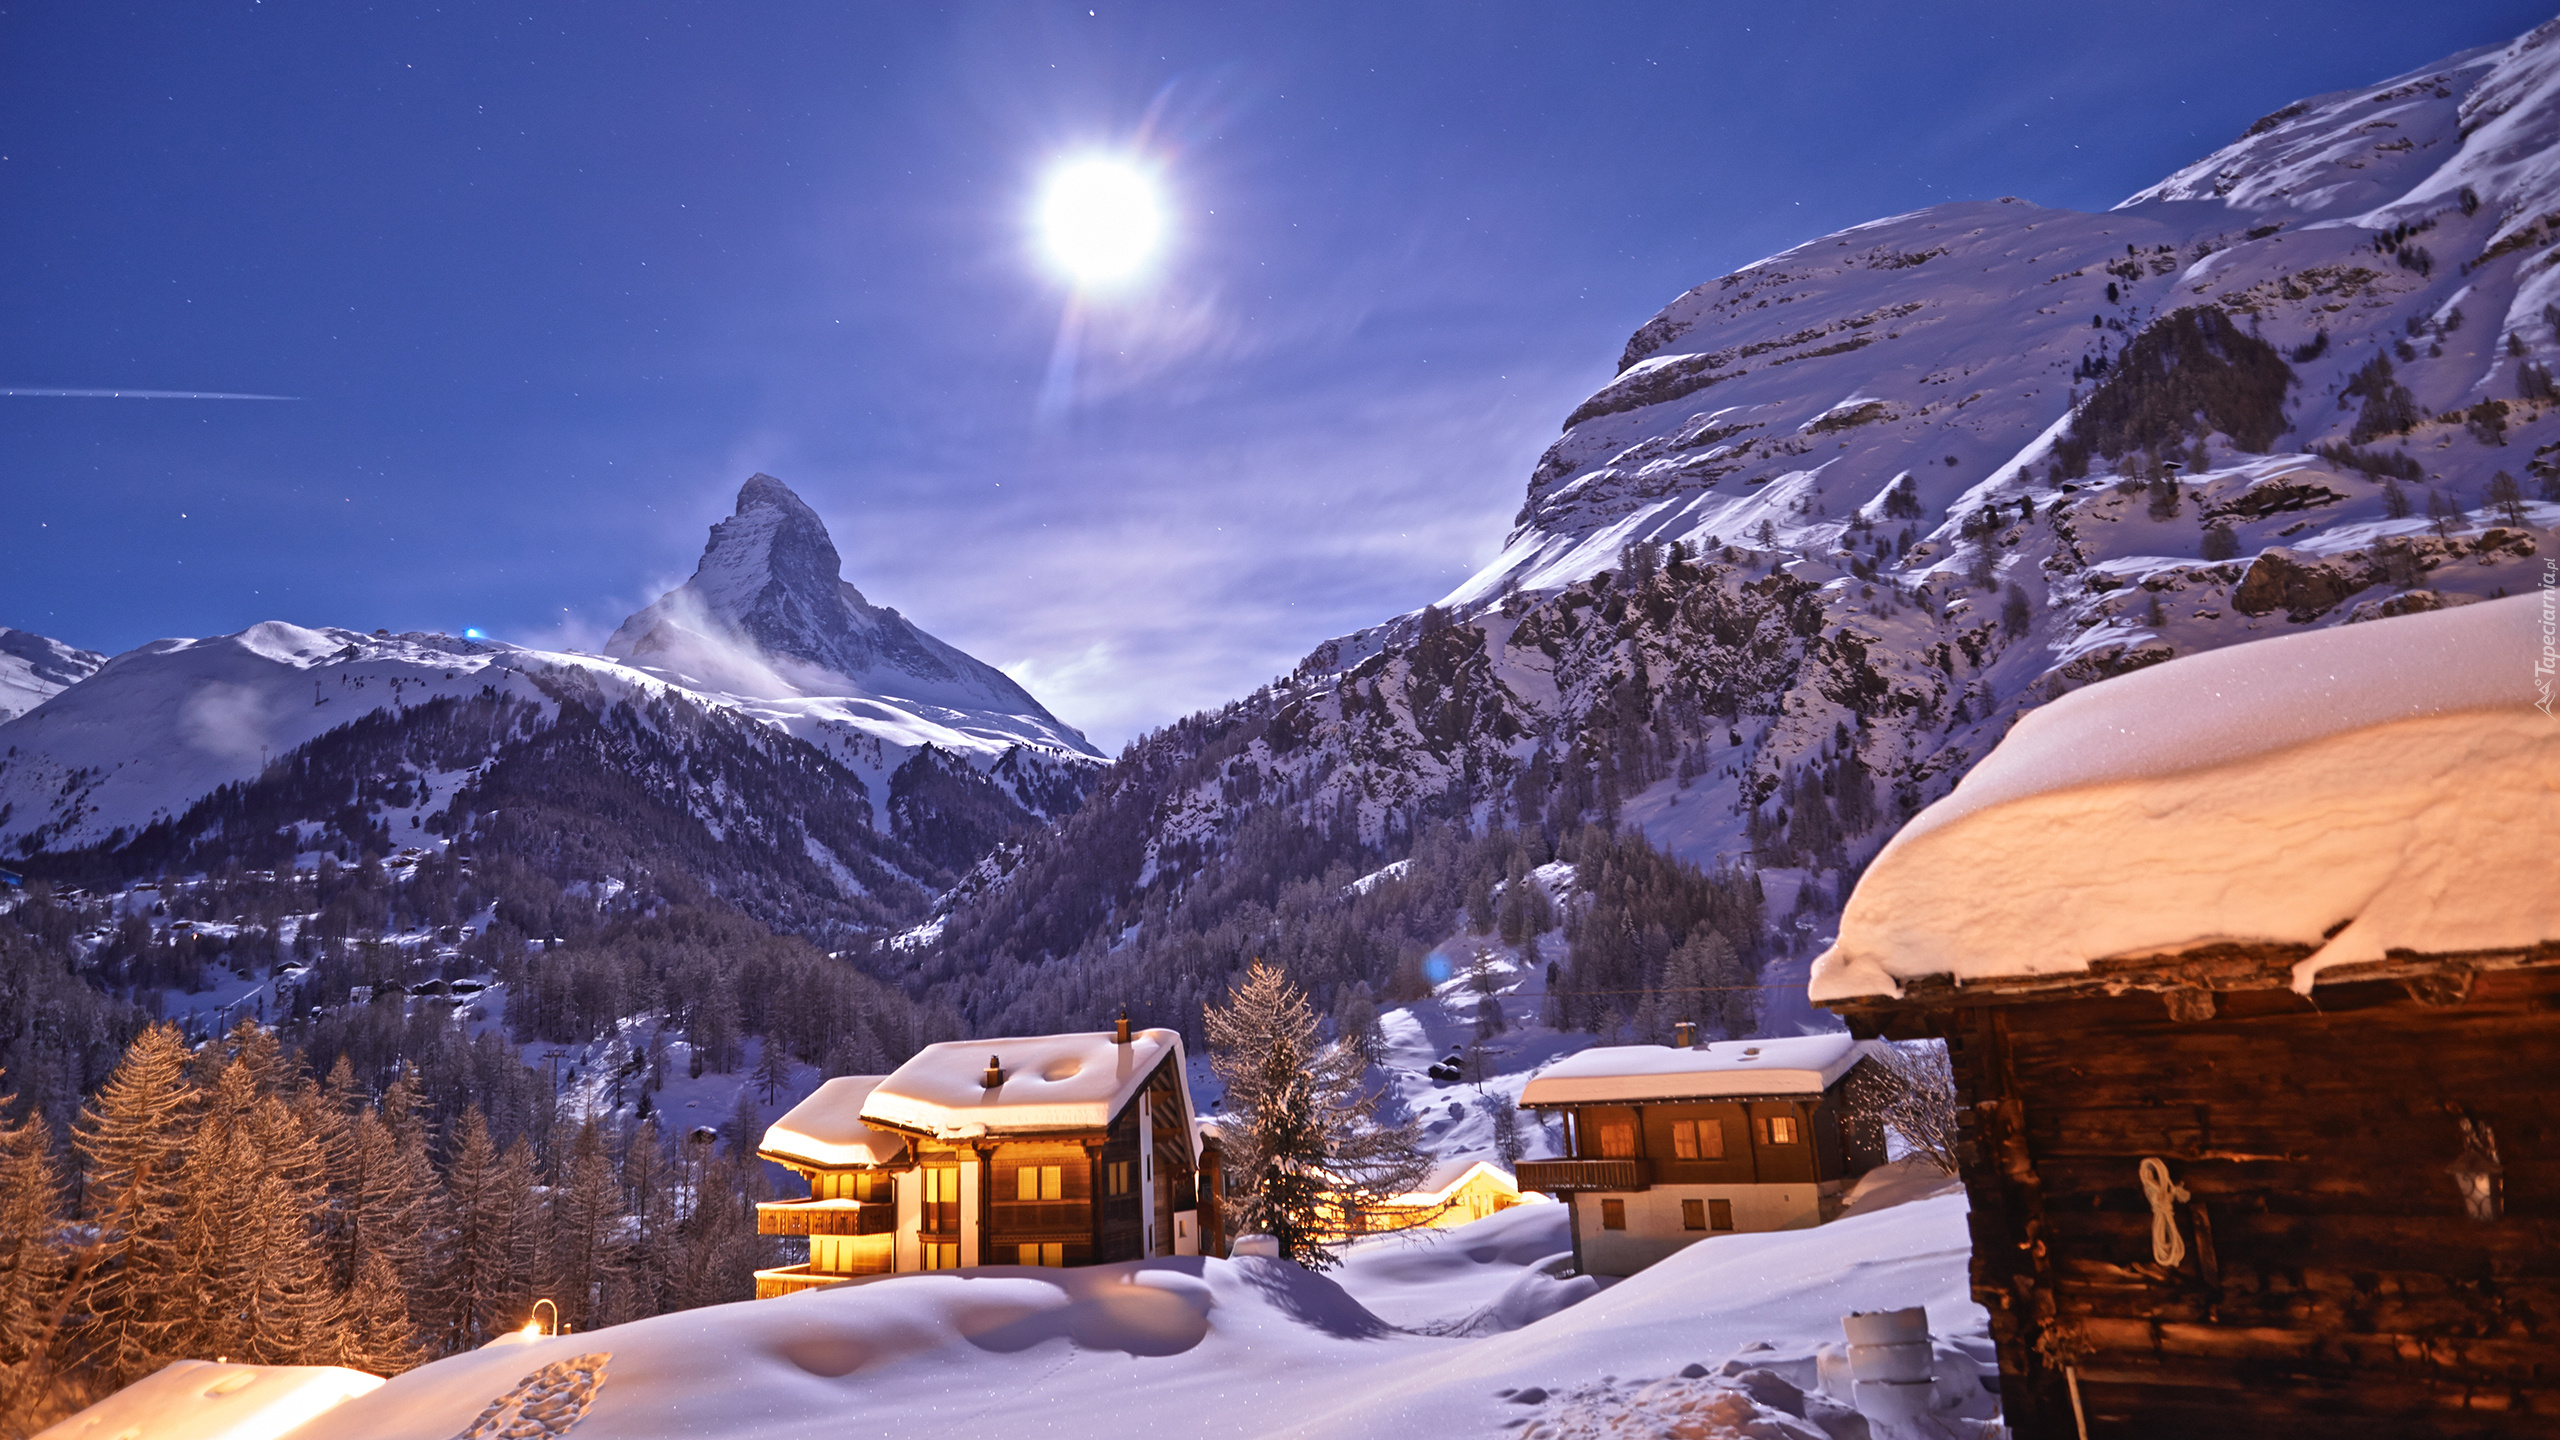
[[2392, 786], [1793, 1065], [1447, 1177], [206, 1400], [826, 1130], [1052, 1083]]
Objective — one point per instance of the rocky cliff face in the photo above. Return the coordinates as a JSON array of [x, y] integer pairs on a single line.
[[1847, 512]]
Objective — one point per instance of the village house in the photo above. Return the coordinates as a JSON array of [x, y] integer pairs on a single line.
[[1456, 1192], [2247, 964], [1667, 1145], [1042, 1150]]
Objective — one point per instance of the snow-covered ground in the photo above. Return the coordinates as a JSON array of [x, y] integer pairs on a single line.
[[1720, 1338]]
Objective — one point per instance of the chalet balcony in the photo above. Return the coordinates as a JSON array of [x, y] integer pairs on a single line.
[[790, 1278], [825, 1217], [1573, 1175]]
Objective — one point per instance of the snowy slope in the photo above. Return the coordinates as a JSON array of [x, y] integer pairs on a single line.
[[142, 736], [1202, 1347], [160, 726], [34, 669], [1943, 341], [1863, 446]]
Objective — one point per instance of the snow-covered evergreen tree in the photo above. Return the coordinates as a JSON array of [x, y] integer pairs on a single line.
[[1306, 1154]]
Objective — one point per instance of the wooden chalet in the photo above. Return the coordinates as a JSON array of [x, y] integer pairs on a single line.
[[850, 1214], [2249, 967], [1669, 1145], [1455, 1193], [1040, 1150]]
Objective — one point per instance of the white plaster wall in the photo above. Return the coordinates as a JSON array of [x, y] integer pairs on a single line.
[[1653, 1221]]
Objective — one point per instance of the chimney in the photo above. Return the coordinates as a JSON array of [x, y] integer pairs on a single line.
[[1684, 1036], [1120, 1029], [995, 1073]]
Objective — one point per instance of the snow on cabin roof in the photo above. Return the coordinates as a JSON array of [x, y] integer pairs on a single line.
[[1446, 1177], [1793, 1065], [1052, 1082], [2391, 786], [826, 1130]]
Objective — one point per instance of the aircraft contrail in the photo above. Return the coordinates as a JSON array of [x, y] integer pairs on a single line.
[[140, 394]]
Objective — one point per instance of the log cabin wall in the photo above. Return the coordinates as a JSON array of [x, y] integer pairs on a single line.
[[1120, 1234], [2334, 1282]]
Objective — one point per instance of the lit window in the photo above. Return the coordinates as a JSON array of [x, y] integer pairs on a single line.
[[1697, 1139], [1613, 1214], [1719, 1214], [941, 1255], [941, 1200], [1052, 1254], [1116, 1177], [1693, 1214], [1040, 1182], [1782, 1130], [1617, 1140]]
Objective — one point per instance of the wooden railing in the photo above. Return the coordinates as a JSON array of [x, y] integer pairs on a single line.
[[812, 1217], [772, 1283], [1571, 1175]]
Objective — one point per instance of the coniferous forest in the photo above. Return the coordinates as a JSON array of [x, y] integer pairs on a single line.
[[360, 1166]]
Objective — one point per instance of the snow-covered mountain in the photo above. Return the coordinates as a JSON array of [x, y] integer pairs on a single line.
[[885, 761], [1847, 512], [35, 668], [768, 616]]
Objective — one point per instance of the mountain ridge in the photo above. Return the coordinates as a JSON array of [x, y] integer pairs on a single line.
[[1850, 510], [873, 802]]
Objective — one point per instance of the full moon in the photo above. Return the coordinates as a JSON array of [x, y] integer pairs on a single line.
[[1100, 220]]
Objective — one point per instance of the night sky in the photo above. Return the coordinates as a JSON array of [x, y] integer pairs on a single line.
[[548, 282]]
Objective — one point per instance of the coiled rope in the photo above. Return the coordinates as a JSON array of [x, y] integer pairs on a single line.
[[2167, 1246]]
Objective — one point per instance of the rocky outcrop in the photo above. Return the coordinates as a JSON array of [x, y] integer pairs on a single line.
[[768, 614]]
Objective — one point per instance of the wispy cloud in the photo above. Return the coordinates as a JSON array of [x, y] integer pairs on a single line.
[[1130, 579]]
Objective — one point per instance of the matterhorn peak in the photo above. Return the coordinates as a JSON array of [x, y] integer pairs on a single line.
[[768, 615]]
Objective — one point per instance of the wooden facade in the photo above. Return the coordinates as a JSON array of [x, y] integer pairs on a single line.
[[1474, 1192], [1661, 1166], [2351, 1221], [1031, 1195]]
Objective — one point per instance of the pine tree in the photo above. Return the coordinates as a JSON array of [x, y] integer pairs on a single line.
[[33, 1262], [586, 1216], [376, 1335], [257, 1284], [519, 1240], [1308, 1154], [649, 1197], [2506, 497], [133, 1143], [470, 1289], [773, 1069], [744, 1129]]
